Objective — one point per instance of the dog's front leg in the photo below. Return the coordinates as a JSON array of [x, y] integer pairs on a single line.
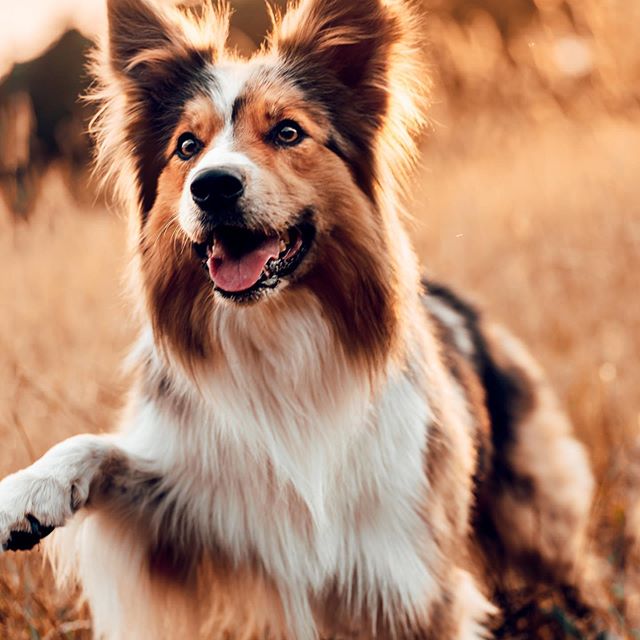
[[45, 495]]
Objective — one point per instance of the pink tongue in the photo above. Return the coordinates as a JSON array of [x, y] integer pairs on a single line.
[[234, 274]]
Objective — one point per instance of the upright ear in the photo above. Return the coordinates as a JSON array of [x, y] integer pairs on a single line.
[[359, 58], [349, 39], [138, 32], [151, 63]]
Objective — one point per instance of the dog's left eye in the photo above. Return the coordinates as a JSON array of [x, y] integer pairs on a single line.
[[287, 134], [188, 146]]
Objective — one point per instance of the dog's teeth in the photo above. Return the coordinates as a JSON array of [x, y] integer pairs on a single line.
[[271, 282]]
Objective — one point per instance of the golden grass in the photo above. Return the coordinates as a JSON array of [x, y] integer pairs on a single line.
[[539, 221], [63, 332], [574, 50]]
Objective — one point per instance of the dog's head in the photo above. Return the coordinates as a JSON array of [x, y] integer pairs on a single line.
[[260, 180]]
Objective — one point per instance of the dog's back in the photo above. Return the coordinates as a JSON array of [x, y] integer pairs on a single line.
[[534, 483]]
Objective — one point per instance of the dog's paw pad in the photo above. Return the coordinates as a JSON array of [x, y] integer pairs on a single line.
[[26, 540]]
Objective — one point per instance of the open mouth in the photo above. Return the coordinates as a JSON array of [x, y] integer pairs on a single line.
[[242, 262]]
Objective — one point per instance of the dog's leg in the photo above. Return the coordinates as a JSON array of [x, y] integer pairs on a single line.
[[72, 474], [468, 611]]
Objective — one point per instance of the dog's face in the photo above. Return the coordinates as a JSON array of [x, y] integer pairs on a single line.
[[254, 180], [258, 180]]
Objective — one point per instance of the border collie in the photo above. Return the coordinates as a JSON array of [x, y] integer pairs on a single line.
[[318, 444]]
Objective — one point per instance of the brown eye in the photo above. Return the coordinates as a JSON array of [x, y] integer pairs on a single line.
[[188, 146], [288, 134]]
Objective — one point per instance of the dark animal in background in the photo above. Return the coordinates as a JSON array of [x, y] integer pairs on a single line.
[[42, 119]]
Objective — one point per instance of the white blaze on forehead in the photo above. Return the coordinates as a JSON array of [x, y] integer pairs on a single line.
[[229, 82]]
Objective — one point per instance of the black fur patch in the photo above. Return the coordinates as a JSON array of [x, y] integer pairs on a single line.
[[161, 102], [238, 105], [359, 129], [507, 396]]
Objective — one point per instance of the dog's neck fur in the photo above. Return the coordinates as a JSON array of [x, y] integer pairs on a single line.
[[280, 364]]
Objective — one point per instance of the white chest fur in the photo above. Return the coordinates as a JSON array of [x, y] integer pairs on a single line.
[[287, 455]]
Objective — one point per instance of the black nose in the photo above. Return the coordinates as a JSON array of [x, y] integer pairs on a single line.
[[213, 189]]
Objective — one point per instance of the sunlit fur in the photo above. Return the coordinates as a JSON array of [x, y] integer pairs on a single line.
[[333, 458], [392, 101]]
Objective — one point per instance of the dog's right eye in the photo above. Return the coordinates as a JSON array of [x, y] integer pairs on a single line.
[[188, 146], [287, 134]]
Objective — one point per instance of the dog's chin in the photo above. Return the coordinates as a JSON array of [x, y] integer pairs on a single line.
[[246, 265]]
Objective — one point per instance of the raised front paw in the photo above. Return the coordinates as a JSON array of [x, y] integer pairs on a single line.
[[32, 506], [25, 540]]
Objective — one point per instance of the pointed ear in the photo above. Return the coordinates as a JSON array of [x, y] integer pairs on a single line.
[[362, 60], [152, 61], [136, 28], [349, 39]]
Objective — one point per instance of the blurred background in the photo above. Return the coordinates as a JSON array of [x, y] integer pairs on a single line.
[[527, 198]]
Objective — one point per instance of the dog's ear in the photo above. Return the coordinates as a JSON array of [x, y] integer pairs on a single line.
[[153, 59], [135, 28], [139, 35], [350, 40], [362, 60]]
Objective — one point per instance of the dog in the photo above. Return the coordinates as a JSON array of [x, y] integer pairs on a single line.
[[318, 444]]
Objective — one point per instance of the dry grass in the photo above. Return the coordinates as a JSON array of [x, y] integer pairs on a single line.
[[63, 332], [529, 203], [540, 222]]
